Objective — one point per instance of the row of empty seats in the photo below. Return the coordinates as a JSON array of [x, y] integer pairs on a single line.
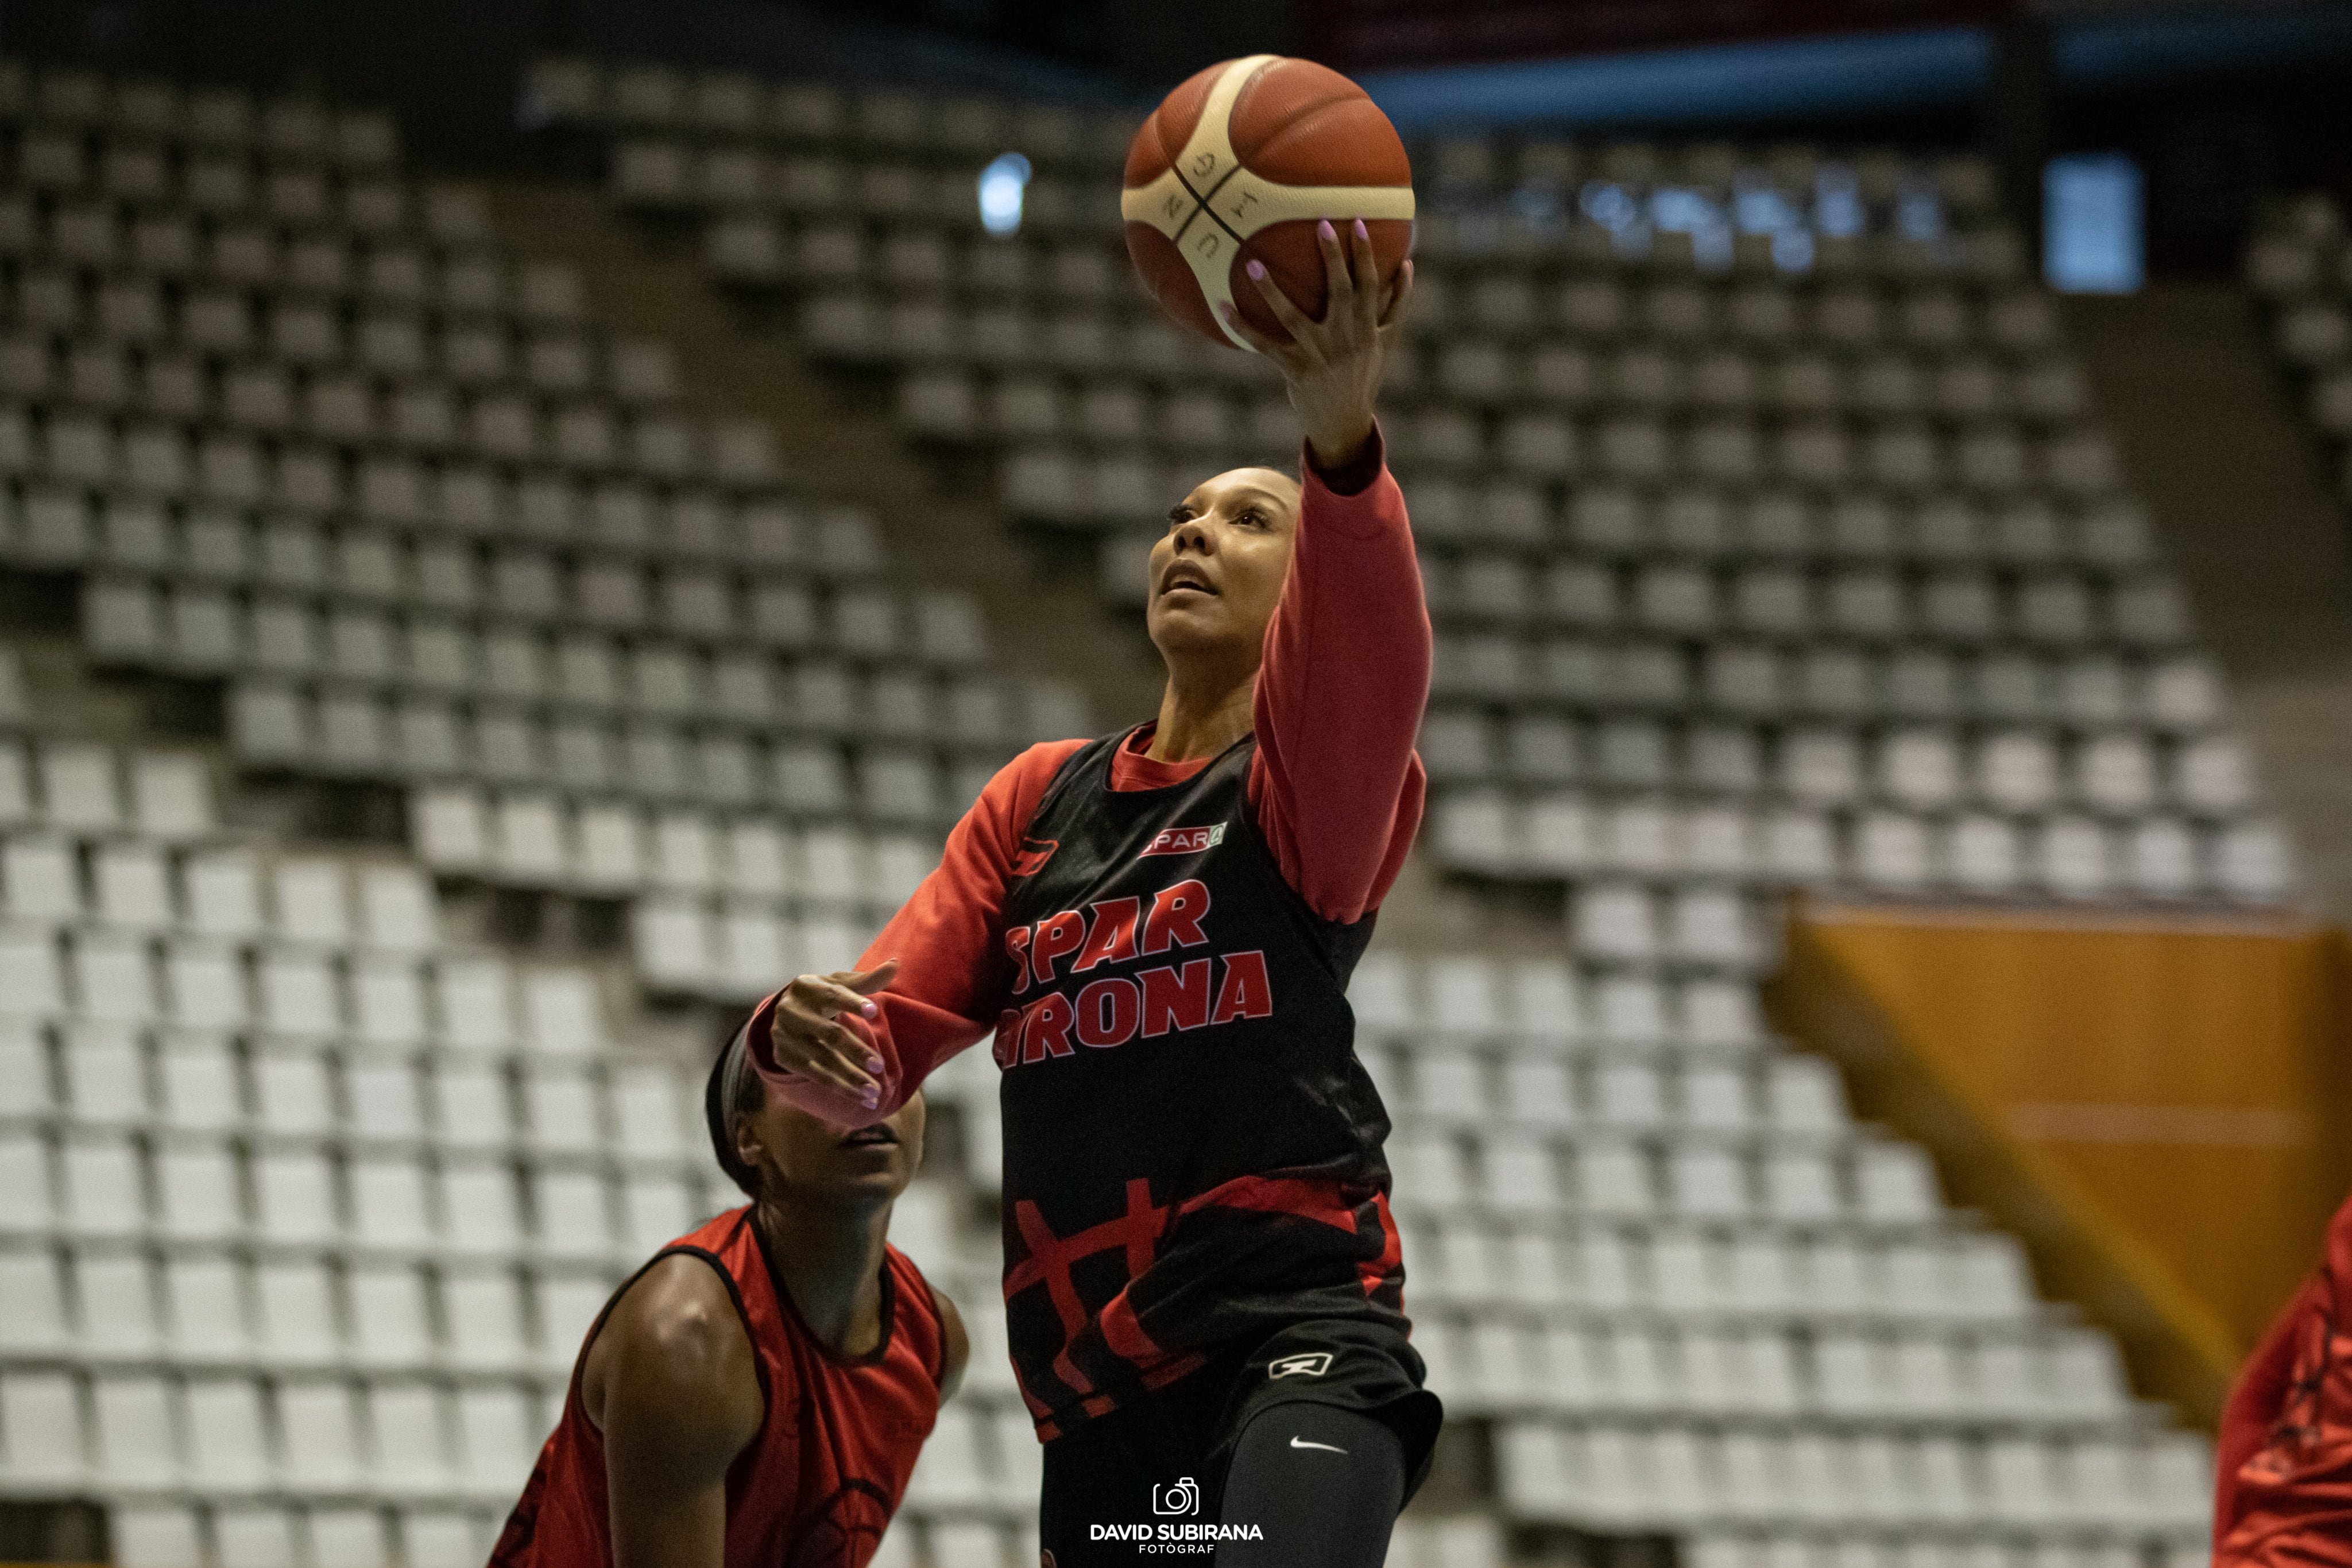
[[1804, 1548], [357, 735], [1543, 1004], [356, 633], [1497, 541], [730, 106], [272, 1535], [193, 1305], [224, 1436], [1428, 1086], [98, 1185], [474, 1000], [2070, 856], [223, 890], [206, 117], [956, 405], [1734, 675], [139, 176], [1535, 304], [148, 459], [2115, 772], [1870, 602], [193, 1078], [81, 786], [1905, 459], [1687, 1172], [1081, 338], [585, 92], [360, 734], [734, 951], [1661, 1272], [1915, 1380], [367, 406], [2154, 1488], [410, 527]]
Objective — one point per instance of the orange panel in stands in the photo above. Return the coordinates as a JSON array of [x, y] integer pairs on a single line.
[[2179, 1086]]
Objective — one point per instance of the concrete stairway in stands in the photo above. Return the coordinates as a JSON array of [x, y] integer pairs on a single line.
[[2237, 488], [947, 533]]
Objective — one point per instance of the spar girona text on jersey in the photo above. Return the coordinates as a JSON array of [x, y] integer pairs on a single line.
[[1186, 993], [1192, 1149]]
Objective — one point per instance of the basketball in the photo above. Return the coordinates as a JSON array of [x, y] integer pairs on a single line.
[[1236, 165]]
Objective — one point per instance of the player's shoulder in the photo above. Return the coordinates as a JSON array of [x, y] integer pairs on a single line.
[[955, 1342], [682, 1312], [676, 1352], [1043, 759], [1020, 784]]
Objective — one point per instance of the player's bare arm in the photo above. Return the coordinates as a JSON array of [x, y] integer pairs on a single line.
[[959, 1346], [672, 1386]]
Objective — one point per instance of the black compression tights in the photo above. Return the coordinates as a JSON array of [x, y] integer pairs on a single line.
[[1322, 1484]]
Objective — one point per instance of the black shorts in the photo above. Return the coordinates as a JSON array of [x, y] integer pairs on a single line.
[[1138, 1485]]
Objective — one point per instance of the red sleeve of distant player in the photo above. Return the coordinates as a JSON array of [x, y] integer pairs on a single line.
[[950, 947], [1335, 783], [2256, 1399]]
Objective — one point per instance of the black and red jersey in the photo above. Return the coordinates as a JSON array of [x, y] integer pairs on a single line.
[[817, 1484], [1192, 1149]]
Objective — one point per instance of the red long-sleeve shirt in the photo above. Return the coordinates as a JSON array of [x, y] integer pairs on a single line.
[[1335, 783], [2284, 1495]]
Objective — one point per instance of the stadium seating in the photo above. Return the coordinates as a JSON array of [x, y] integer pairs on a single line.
[[2300, 267], [1769, 550], [303, 429], [1764, 549], [1767, 533], [308, 1203]]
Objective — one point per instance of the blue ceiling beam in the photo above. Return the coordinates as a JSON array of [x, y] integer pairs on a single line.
[[1853, 73]]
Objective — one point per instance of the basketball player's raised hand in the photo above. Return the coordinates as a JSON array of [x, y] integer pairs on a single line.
[[807, 1037], [1334, 365]]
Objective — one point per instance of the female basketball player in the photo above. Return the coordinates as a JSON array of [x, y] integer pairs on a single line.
[[1203, 1286], [755, 1396]]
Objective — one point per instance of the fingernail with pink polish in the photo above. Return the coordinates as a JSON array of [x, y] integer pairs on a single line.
[[1323, 229], [1361, 231], [872, 1098], [871, 1010], [873, 1064], [1256, 270]]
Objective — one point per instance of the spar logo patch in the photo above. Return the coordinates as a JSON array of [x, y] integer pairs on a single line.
[[1184, 841]]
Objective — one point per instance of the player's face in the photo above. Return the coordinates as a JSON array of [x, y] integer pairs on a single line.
[[1217, 572], [801, 1157]]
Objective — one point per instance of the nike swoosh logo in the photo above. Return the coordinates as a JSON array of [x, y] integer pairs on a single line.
[[1303, 1443]]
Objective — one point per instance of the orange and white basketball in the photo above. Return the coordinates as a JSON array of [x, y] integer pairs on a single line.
[[1236, 165]]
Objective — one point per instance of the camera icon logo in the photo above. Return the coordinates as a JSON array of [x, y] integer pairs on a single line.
[[1177, 1497]]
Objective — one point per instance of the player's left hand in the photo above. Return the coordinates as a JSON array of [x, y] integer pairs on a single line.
[[1334, 365]]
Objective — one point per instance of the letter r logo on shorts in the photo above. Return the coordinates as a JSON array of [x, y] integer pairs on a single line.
[[1313, 1364]]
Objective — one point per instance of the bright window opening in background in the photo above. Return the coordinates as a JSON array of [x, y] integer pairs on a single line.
[[2093, 230], [1001, 184]]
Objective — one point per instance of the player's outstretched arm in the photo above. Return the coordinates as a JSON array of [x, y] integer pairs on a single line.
[[671, 1384], [1335, 783], [849, 1046]]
